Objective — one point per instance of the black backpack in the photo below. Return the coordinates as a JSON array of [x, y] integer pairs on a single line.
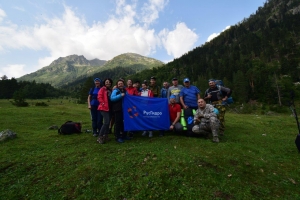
[[69, 128]]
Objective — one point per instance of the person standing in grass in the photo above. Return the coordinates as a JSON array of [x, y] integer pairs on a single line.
[[175, 90], [130, 89], [137, 85], [206, 120], [164, 90], [188, 98], [93, 104], [145, 92], [154, 87], [105, 109], [117, 95], [215, 96]]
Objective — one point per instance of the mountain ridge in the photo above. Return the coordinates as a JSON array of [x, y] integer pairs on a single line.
[[66, 70]]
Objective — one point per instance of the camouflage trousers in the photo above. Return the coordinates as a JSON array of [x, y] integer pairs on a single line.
[[221, 116], [206, 126]]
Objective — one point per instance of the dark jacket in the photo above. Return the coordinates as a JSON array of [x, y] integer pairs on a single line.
[[116, 98]]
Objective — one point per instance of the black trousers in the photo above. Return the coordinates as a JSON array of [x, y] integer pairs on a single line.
[[119, 124]]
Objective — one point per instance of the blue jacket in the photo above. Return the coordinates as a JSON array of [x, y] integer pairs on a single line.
[[116, 98]]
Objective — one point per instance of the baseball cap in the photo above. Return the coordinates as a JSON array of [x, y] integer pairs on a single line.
[[172, 96], [97, 79], [174, 79], [186, 80]]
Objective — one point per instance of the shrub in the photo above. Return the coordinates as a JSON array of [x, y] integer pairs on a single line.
[[41, 104]]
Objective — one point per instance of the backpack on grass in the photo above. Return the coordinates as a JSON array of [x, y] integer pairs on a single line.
[[69, 128]]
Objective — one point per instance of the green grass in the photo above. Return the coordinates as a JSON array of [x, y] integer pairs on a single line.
[[256, 159]]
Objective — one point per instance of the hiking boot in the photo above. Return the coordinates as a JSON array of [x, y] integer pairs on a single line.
[[101, 140], [144, 133], [120, 140], [95, 135], [216, 139], [150, 134]]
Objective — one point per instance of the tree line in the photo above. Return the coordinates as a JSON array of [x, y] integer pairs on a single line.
[[11, 88]]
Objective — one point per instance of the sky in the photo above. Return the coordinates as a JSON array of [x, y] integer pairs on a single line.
[[33, 33]]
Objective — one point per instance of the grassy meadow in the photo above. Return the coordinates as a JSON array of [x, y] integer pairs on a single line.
[[255, 159]]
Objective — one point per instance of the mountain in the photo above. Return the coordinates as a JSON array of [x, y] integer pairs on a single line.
[[66, 70], [259, 58], [133, 60]]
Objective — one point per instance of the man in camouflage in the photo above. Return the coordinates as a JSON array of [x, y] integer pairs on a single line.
[[206, 120], [215, 95], [153, 87]]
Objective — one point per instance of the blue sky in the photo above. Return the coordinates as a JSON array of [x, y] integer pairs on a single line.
[[33, 33]]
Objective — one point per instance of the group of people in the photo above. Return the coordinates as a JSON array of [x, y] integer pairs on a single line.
[[188, 111]]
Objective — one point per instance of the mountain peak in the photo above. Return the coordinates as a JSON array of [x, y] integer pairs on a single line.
[[73, 59]]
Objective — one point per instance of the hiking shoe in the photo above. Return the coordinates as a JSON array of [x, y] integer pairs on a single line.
[[144, 133], [101, 140], [120, 140], [95, 135], [150, 134], [216, 139]]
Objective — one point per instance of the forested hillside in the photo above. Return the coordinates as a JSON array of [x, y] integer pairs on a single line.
[[28, 89], [259, 58]]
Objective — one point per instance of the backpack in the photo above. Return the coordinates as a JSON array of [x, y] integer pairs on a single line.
[[219, 84], [69, 128]]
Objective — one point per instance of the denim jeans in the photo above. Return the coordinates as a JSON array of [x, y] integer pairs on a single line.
[[106, 120], [97, 119]]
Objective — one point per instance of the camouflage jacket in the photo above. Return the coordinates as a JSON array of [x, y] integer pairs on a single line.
[[207, 112]]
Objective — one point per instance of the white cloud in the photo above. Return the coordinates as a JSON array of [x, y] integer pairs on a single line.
[[212, 36], [178, 41], [2, 15], [13, 71], [126, 31], [150, 10]]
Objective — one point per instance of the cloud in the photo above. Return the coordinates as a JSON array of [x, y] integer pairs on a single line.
[[15, 71], [150, 10], [212, 36], [2, 15], [178, 41], [126, 30]]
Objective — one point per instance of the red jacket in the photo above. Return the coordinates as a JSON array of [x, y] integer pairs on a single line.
[[132, 91], [103, 99]]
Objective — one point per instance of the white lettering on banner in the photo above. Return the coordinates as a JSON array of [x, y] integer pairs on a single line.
[[152, 113]]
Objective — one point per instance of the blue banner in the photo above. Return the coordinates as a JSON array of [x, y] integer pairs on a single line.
[[145, 113]]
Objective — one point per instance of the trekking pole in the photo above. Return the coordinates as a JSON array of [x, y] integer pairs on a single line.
[[292, 107]]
